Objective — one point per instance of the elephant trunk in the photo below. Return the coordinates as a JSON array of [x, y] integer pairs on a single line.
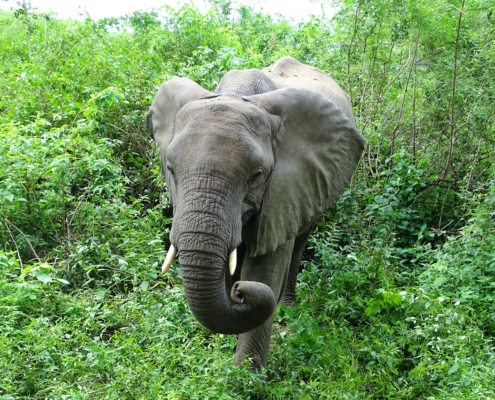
[[218, 304]]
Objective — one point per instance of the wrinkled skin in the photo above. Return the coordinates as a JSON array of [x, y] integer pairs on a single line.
[[250, 167]]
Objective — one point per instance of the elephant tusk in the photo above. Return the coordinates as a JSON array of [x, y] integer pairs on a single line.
[[232, 261], [172, 252]]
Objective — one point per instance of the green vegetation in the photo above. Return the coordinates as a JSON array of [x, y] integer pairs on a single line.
[[397, 298]]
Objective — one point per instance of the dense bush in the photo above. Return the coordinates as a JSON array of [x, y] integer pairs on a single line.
[[397, 296]]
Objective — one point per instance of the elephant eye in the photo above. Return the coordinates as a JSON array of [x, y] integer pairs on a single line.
[[255, 177], [170, 168]]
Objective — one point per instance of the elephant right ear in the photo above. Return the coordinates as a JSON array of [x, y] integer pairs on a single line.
[[170, 98], [316, 152]]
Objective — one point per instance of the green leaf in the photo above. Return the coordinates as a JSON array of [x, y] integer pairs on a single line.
[[144, 286], [45, 278], [373, 308], [453, 369]]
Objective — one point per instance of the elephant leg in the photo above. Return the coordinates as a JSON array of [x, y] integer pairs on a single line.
[[289, 295], [271, 269], [254, 345]]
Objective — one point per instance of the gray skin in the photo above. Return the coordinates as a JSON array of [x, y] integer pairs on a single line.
[[251, 166]]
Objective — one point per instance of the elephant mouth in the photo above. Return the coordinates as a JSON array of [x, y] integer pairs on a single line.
[[172, 253]]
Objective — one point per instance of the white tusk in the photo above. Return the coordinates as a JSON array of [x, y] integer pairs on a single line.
[[232, 261], [172, 252]]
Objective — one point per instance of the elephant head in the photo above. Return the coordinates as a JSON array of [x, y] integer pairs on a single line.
[[254, 169]]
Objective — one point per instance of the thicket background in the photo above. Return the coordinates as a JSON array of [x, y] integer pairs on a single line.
[[397, 299]]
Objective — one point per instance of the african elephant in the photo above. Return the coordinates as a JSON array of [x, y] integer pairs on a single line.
[[249, 169]]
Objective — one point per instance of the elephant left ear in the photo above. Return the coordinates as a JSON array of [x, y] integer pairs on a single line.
[[316, 152], [170, 98]]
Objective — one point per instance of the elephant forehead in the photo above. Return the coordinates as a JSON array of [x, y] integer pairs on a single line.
[[224, 117], [232, 137]]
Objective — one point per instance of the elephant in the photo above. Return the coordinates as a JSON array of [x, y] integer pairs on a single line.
[[249, 170]]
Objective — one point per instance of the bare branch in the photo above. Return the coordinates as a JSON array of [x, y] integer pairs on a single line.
[[7, 222]]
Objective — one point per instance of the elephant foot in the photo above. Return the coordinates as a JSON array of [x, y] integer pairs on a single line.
[[288, 299]]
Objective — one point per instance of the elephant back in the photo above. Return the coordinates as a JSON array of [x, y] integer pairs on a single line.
[[288, 72]]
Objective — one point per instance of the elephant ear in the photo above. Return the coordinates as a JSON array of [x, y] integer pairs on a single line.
[[170, 98], [316, 152]]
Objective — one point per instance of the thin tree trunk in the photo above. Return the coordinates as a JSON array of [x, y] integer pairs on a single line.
[[452, 129]]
